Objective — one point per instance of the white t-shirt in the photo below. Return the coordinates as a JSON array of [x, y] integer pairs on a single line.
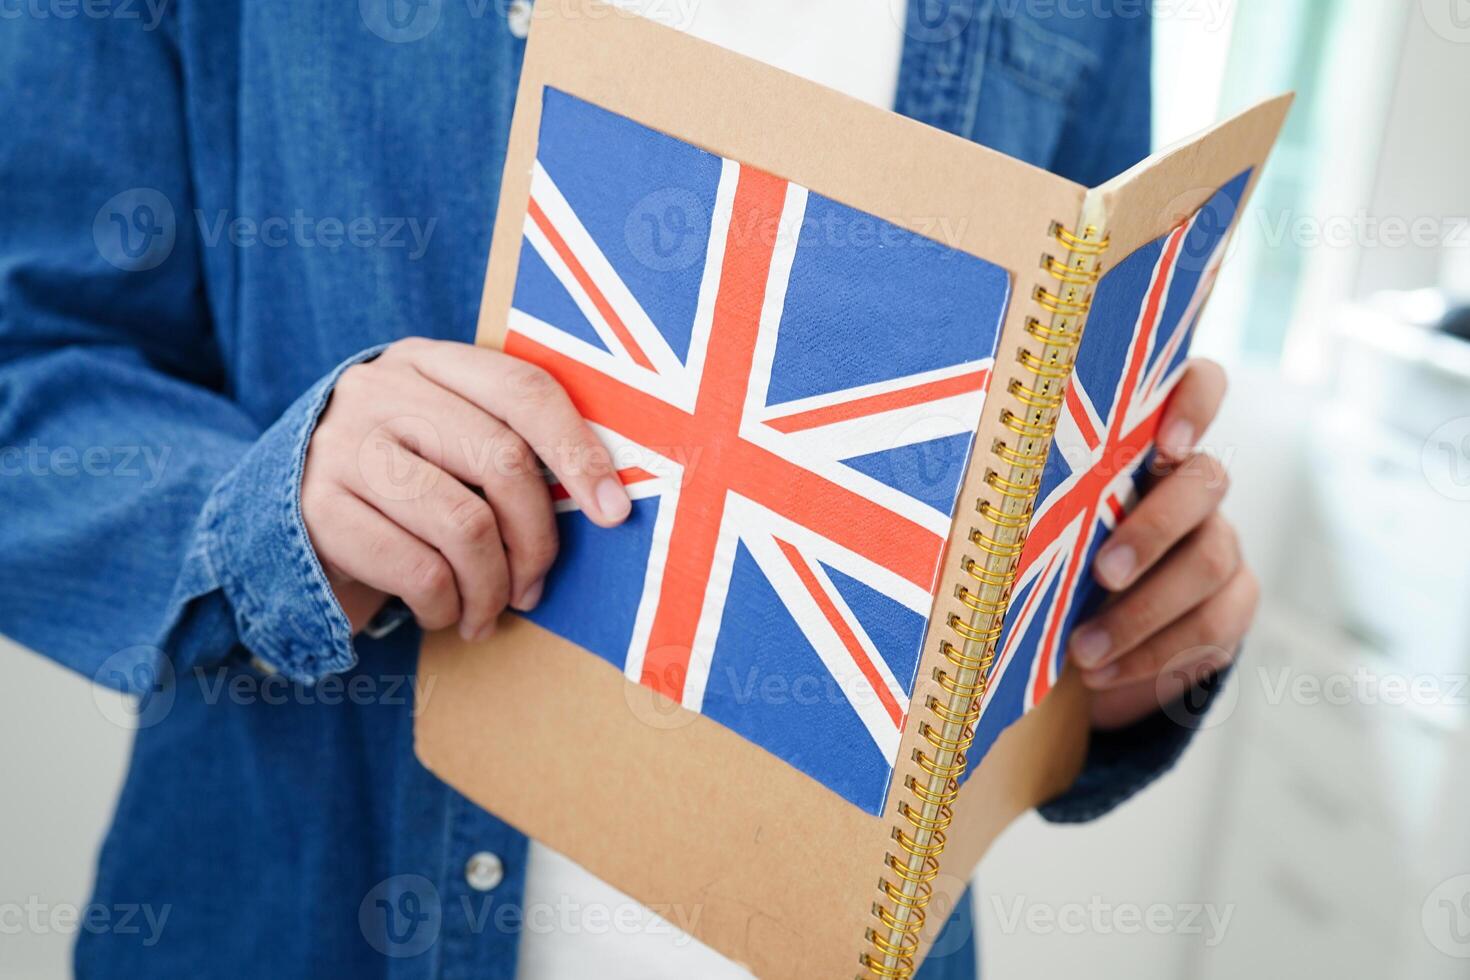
[[575, 925]]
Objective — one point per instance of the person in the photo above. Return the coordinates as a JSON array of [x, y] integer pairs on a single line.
[[240, 238]]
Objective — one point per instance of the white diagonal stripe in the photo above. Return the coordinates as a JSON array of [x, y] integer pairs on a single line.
[[546, 194]]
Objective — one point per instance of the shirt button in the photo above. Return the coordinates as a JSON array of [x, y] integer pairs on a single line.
[[518, 18], [484, 871]]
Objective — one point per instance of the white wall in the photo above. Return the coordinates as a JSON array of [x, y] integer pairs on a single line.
[[61, 767]]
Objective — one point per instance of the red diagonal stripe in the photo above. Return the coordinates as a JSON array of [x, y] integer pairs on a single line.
[[963, 384], [1153, 311], [1118, 456], [1051, 640], [1081, 415], [562, 249], [844, 632], [1036, 591]]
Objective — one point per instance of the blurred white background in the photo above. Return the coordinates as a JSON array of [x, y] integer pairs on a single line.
[[1320, 825]]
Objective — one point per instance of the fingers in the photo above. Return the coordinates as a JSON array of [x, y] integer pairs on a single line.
[[1191, 409], [1172, 508], [1202, 565], [446, 515], [363, 544], [531, 402], [430, 454], [1210, 633], [489, 455]]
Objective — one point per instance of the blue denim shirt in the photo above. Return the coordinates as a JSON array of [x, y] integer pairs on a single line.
[[207, 209]]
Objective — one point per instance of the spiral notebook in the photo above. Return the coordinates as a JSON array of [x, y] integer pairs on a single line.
[[878, 395]]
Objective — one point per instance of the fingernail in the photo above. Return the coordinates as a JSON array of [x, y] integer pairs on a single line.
[[466, 632], [1115, 566], [1178, 439], [1090, 645], [1101, 678], [612, 499], [530, 596]]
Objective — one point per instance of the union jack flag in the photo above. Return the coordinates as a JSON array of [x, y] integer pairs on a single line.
[[1132, 354], [790, 389]]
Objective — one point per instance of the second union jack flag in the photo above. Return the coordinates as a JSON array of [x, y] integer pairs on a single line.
[[790, 388], [1132, 354]]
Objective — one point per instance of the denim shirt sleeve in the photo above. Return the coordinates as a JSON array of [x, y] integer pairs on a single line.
[[149, 522], [1122, 763], [251, 553]]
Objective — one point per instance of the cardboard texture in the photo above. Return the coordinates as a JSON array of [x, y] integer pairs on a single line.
[[668, 805]]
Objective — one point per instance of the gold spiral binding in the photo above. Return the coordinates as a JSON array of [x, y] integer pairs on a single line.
[[999, 537]]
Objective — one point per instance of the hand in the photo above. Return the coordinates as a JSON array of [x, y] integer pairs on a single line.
[[1183, 599], [422, 481]]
